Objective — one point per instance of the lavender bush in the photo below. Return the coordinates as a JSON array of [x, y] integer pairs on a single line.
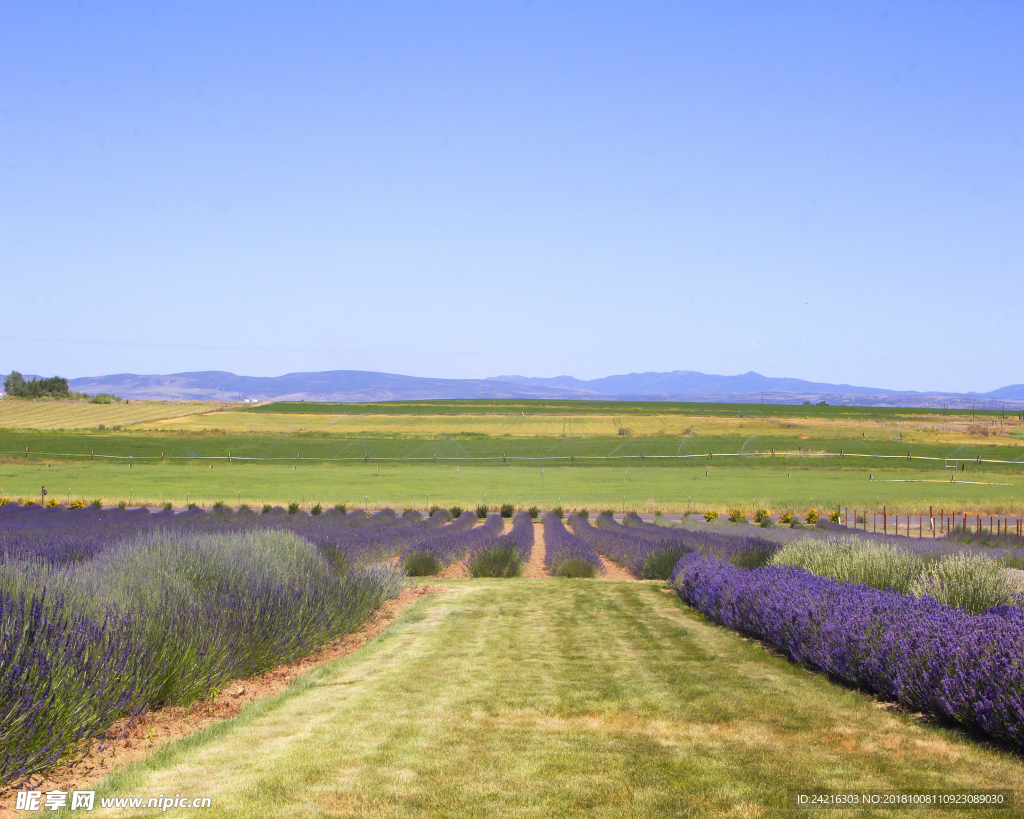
[[164, 609], [651, 552], [507, 554], [568, 555], [967, 668]]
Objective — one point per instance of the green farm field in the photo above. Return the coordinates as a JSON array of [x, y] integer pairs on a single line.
[[597, 455], [400, 485], [541, 698]]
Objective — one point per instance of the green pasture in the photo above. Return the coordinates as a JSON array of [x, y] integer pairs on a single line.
[[541, 698], [632, 486], [655, 450]]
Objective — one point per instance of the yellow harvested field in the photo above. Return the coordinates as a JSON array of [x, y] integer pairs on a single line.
[[925, 429], [420, 425], [16, 413]]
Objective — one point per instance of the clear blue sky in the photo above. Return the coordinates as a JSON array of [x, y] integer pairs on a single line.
[[831, 191]]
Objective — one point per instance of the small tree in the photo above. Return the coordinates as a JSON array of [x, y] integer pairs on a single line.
[[14, 384]]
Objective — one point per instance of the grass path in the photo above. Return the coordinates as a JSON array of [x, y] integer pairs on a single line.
[[532, 698]]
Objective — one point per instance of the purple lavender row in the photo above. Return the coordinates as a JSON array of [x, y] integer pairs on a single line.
[[163, 618], [730, 544], [968, 668], [61, 536], [106, 663], [566, 553], [651, 552], [455, 541], [520, 538]]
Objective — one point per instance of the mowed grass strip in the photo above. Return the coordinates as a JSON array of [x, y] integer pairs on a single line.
[[400, 486], [569, 698]]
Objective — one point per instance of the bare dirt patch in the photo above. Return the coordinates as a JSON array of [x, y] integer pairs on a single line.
[[613, 571], [130, 740], [455, 571], [535, 568]]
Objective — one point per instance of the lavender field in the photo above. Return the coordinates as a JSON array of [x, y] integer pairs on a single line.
[[105, 613]]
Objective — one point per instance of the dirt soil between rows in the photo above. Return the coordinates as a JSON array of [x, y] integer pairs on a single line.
[[535, 568], [130, 740], [613, 571]]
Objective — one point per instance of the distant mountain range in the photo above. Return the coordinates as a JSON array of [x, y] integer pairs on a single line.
[[678, 385]]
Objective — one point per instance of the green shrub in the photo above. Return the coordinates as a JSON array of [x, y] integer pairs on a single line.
[[293, 508], [786, 517], [218, 505], [812, 515], [608, 512], [710, 515], [583, 513], [659, 564], [421, 563], [498, 561], [455, 511], [191, 505], [122, 504], [736, 515], [576, 567], [559, 512], [507, 510], [168, 506], [760, 515], [767, 523], [340, 507], [481, 511], [970, 582], [433, 509], [316, 510], [534, 512], [243, 508], [266, 508]]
